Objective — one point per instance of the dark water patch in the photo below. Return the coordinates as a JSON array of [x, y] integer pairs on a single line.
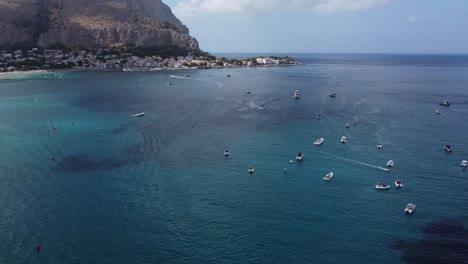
[[83, 162], [443, 242], [120, 130]]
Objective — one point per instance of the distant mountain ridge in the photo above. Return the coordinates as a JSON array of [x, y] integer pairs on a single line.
[[92, 24]]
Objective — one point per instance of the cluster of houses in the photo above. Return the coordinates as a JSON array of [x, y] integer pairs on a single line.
[[49, 59]]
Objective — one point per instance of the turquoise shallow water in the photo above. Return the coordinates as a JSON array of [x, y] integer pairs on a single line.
[[158, 189]]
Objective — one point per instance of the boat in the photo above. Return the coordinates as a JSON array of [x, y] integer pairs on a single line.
[[381, 186], [299, 156], [318, 117], [464, 163], [445, 103], [355, 120], [328, 177], [187, 75], [347, 125], [438, 112], [169, 84], [228, 75], [448, 148], [343, 139], [226, 152], [297, 94], [398, 184], [332, 95], [380, 146], [410, 208], [390, 163], [139, 114], [251, 169], [319, 141]]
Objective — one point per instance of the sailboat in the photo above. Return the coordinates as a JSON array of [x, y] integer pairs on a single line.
[[355, 120]]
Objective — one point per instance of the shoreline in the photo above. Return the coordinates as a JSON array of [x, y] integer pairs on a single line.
[[6, 75]]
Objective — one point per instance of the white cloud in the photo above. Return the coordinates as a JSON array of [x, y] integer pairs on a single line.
[[412, 19], [186, 8]]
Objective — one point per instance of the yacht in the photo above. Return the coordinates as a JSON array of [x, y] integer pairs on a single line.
[[328, 177], [380, 146], [332, 95], [139, 114], [398, 184], [448, 148], [438, 112], [319, 141], [251, 169], [464, 163], [347, 125], [445, 103], [343, 139], [299, 156], [381, 186], [410, 208], [390, 163], [297, 94], [226, 152]]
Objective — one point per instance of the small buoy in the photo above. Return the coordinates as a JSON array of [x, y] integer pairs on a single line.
[[38, 247]]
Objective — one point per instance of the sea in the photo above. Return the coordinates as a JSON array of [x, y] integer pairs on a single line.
[[89, 183]]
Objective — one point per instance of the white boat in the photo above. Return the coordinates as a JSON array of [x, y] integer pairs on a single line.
[[381, 186], [398, 184], [226, 152], [438, 112], [139, 114], [299, 156], [319, 141], [445, 103], [318, 117], [464, 163], [328, 177], [410, 208], [297, 94], [390, 163], [343, 139], [448, 148], [251, 169], [380, 146], [347, 125]]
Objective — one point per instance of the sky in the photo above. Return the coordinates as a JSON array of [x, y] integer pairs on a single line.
[[327, 26]]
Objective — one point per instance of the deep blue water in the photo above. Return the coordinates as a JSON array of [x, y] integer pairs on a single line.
[[158, 189]]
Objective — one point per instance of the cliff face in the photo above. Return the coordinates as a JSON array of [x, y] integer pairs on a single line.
[[92, 23]]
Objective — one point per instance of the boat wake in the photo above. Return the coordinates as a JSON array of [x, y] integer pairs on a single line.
[[364, 164]]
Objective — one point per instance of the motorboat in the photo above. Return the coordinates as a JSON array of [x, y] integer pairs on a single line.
[[332, 95], [390, 164], [228, 75], [398, 184], [448, 148], [381, 186], [438, 112], [445, 103], [380, 146], [343, 139], [187, 75], [410, 208], [139, 114], [347, 125], [319, 141], [248, 92], [297, 94], [318, 117], [464, 163], [169, 84], [328, 177], [226, 152], [299, 156], [251, 169]]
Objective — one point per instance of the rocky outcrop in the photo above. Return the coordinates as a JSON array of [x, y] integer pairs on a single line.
[[92, 24]]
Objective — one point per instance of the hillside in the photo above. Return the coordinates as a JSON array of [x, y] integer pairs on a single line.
[[92, 24]]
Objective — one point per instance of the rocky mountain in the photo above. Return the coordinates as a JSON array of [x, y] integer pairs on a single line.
[[92, 23]]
